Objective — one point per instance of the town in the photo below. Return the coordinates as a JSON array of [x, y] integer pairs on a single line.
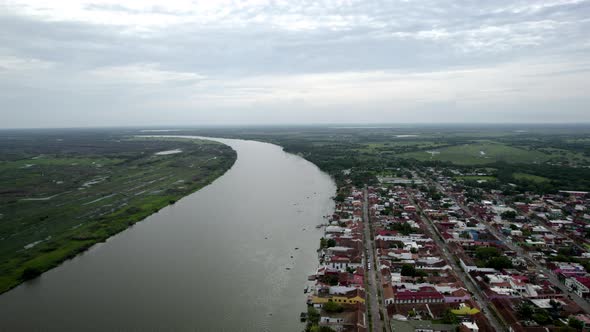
[[435, 249]]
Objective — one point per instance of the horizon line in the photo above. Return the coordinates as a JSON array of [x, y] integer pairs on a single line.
[[337, 125]]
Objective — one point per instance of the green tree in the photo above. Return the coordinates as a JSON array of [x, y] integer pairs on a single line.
[[541, 318], [509, 215], [331, 243], [449, 317], [313, 316], [525, 310], [499, 263], [575, 323], [485, 253], [30, 273], [332, 306], [330, 279], [408, 270]]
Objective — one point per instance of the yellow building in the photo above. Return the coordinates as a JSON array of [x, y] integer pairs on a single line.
[[465, 310], [337, 299]]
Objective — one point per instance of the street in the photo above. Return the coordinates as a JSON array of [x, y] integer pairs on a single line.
[[475, 291], [579, 301], [372, 280]]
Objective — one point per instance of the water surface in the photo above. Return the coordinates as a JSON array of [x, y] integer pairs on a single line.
[[221, 259]]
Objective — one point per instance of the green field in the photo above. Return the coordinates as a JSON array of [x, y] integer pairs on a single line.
[[475, 178], [60, 196], [561, 156], [399, 146], [560, 153], [530, 177], [479, 153]]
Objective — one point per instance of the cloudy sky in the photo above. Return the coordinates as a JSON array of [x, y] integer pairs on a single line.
[[179, 62]]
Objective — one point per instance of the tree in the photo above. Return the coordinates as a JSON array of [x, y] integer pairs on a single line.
[[330, 279], [30, 273], [575, 323], [465, 235], [313, 316], [332, 306], [408, 270], [541, 318], [485, 253], [499, 263], [331, 243], [510, 215], [555, 309], [403, 227], [449, 317], [525, 310], [323, 243]]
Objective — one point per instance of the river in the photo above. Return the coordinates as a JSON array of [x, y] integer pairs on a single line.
[[221, 259]]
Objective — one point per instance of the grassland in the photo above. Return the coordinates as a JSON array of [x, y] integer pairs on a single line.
[[398, 146], [560, 153], [476, 178], [479, 153], [62, 192], [530, 177]]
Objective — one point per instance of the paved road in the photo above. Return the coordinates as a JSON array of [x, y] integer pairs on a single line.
[[581, 302], [474, 289], [371, 288]]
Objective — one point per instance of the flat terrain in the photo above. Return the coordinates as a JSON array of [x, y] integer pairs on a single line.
[[480, 153], [552, 157], [63, 191], [530, 177]]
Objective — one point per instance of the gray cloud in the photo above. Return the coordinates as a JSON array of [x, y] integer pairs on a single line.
[[114, 63]]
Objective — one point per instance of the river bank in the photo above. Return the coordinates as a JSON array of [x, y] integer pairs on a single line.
[[223, 258], [118, 194]]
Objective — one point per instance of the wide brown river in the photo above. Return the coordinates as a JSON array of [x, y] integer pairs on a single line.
[[221, 259]]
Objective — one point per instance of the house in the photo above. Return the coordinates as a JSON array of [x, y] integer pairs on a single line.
[[410, 208], [339, 262], [353, 297], [579, 285], [344, 321], [457, 296], [420, 326], [423, 295], [388, 295], [469, 326]]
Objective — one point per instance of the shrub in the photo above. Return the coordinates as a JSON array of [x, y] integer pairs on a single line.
[[331, 306], [30, 273]]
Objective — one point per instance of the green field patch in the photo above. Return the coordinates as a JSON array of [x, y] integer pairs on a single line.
[[63, 204], [530, 177], [31, 164], [565, 156], [398, 146], [475, 178], [479, 153]]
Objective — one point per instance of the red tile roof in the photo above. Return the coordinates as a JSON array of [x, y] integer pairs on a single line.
[[584, 281], [423, 293]]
